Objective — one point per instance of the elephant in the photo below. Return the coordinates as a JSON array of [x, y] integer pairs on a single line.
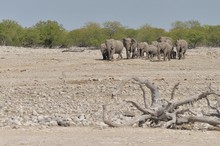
[[164, 48], [114, 47], [166, 39], [155, 43], [181, 47], [130, 45], [170, 41], [152, 51], [142, 48], [104, 51]]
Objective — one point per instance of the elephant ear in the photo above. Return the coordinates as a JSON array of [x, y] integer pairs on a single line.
[[123, 40], [133, 41]]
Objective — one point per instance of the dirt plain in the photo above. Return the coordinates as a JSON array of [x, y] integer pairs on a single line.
[[39, 85]]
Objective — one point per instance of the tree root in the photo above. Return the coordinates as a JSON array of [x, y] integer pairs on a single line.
[[160, 110], [130, 123], [174, 89]]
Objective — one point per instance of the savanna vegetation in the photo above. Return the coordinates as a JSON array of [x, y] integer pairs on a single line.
[[51, 34]]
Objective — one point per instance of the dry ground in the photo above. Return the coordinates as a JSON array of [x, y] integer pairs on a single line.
[[87, 136], [66, 79]]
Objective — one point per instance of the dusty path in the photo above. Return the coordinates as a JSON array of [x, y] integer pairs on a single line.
[[85, 136]]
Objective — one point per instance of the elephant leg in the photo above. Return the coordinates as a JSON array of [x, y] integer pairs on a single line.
[[168, 55], [127, 54], [142, 53], [112, 56], [139, 53], [158, 56], [119, 56], [184, 55], [174, 55], [104, 56], [133, 56], [179, 56], [151, 56], [109, 54], [164, 56], [148, 55], [112, 52]]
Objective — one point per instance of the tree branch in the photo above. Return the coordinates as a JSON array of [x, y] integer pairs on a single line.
[[190, 100], [145, 111], [187, 119], [130, 123], [162, 110], [144, 95], [212, 107], [155, 97], [114, 93], [174, 89]]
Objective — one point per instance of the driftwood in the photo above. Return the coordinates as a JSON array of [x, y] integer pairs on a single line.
[[74, 50], [168, 114]]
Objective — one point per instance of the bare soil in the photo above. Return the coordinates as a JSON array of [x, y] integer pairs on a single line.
[[49, 82]]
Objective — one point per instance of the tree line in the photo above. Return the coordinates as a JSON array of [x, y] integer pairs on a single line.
[[51, 34]]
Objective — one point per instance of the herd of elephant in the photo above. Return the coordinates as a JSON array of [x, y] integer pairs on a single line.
[[164, 47]]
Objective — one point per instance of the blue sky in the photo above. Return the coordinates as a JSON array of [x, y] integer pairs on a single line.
[[73, 14]]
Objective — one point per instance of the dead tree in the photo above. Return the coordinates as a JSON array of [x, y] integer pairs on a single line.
[[169, 113]]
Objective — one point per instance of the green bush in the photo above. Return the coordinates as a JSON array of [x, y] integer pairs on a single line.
[[51, 34]]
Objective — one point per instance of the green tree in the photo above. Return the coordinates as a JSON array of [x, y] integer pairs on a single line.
[[178, 33], [212, 35], [76, 38], [94, 34], [195, 37], [114, 29], [50, 33], [91, 34], [30, 37], [178, 25], [148, 34], [192, 24], [190, 30], [186, 24], [131, 33], [10, 33]]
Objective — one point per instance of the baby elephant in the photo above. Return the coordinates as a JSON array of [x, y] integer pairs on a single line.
[[181, 47], [152, 52], [142, 48], [104, 51]]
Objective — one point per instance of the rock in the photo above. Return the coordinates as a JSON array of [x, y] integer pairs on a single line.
[[63, 123], [29, 123], [81, 117], [53, 123], [75, 120], [101, 124], [40, 117], [34, 113]]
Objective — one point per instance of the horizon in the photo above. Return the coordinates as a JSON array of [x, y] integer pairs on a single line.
[[102, 24]]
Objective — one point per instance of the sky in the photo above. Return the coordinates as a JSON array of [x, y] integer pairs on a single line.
[[74, 14]]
